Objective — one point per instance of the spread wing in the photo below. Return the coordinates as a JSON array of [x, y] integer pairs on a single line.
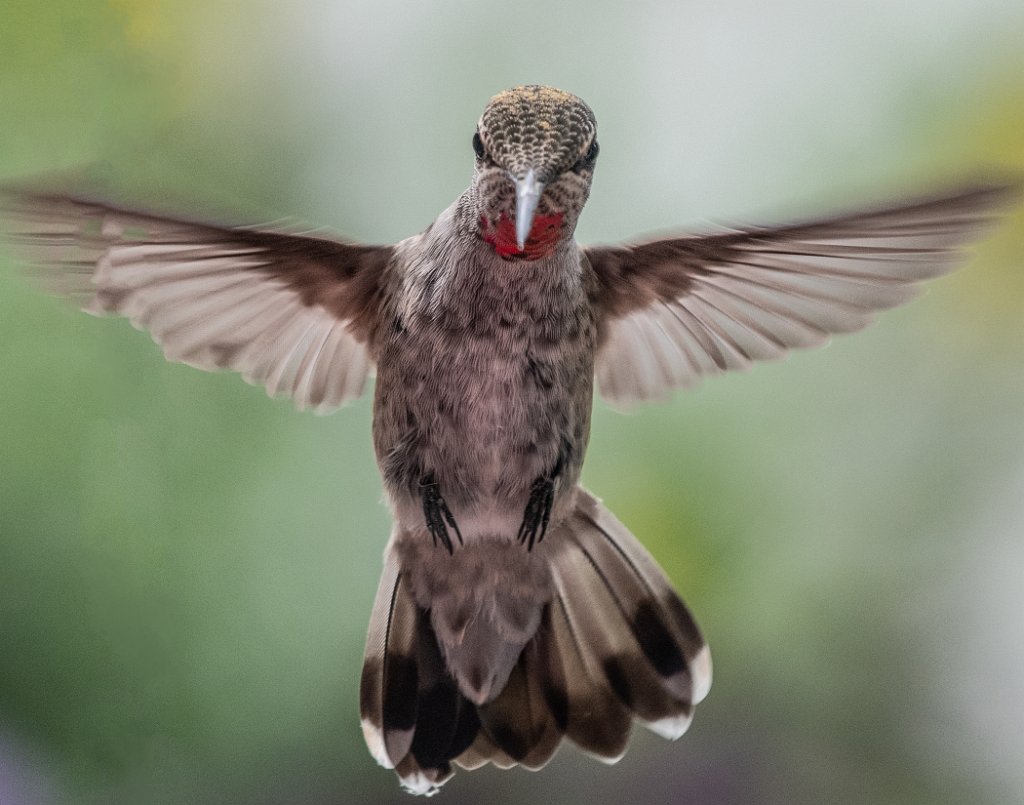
[[292, 313], [676, 310]]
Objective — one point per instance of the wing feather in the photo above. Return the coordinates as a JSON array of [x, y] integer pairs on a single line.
[[676, 310], [293, 313]]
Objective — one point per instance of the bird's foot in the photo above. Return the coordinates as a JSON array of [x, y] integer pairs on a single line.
[[438, 516], [541, 501], [538, 512]]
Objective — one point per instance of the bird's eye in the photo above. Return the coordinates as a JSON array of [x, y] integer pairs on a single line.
[[478, 146], [588, 159]]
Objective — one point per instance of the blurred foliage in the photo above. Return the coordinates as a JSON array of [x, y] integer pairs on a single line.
[[186, 568]]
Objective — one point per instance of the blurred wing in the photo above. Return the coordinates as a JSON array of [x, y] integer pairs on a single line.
[[676, 310], [289, 312]]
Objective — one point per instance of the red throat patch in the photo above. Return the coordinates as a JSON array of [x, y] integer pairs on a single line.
[[540, 242]]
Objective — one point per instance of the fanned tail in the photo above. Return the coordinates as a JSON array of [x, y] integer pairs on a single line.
[[614, 643]]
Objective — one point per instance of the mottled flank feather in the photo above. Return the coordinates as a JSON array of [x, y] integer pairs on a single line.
[[611, 642]]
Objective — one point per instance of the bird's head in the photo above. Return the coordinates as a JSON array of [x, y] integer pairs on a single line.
[[535, 153]]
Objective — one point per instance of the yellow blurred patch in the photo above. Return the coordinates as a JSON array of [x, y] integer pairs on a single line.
[[989, 138], [145, 23]]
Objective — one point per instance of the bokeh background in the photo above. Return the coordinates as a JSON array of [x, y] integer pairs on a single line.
[[187, 567]]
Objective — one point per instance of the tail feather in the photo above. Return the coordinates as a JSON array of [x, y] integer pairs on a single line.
[[390, 681], [519, 721], [595, 719], [482, 752], [446, 723], [602, 610], [419, 780], [662, 608], [415, 720], [613, 643]]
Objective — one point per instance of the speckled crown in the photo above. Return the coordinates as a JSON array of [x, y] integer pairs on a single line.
[[537, 126]]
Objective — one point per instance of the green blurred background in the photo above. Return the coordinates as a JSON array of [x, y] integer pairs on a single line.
[[187, 568]]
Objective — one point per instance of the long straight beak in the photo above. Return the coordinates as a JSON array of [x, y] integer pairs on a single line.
[[528, 191]]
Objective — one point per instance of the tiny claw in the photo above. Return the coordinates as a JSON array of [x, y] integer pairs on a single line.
[[437, 515], [542, 501], [538, 512]]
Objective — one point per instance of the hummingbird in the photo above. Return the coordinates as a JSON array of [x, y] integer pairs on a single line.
[[514, 609]]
